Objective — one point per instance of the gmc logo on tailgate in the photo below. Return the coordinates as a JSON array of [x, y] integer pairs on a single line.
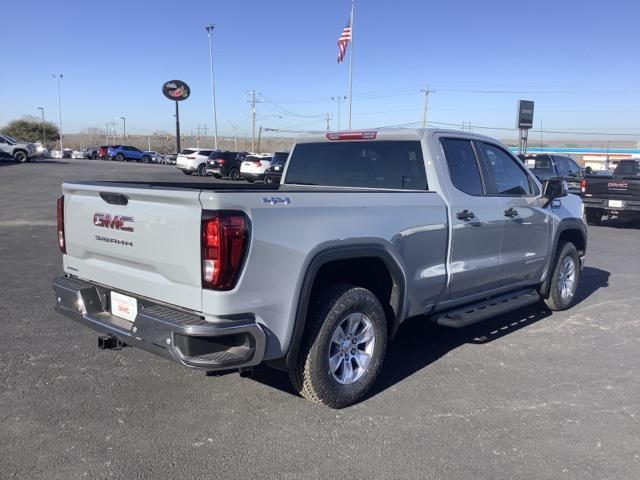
[[116, 222]]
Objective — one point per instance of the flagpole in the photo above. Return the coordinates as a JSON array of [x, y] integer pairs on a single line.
[[351, 65]]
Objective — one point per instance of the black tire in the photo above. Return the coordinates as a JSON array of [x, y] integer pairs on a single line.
[[145, 159], [21, 156], [234, 174], [186, 173], [311, 374], [268, 180], [251, 180], [202, 169], [593, 216], [119, 157], [555, 300]]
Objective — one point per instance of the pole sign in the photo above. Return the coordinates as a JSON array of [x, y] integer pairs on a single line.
[[176, 90], [525, 114]]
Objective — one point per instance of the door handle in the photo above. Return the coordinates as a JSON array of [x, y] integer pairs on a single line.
[[465, 215], [511, 212]]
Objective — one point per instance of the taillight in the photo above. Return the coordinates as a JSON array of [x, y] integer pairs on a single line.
[[583, 185], [224, 244], [220, 161], [352, 135], [257, 163], [60, 222]]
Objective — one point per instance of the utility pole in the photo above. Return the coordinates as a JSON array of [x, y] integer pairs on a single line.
[[259, 138], [339, 100], [328, 120], [235, 135], [253, 102], [426, 92], [209, 28], [124, 129], [58, 78], [44, 133]]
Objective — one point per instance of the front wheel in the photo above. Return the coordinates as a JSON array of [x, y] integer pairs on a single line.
[[343, 348], [202, 170], [119, 157], [145, 159], [20, 156], [564, 278]]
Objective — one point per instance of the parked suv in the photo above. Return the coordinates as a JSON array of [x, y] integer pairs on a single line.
[[274, 172], [225, 164], [102, 152], [126, 153], [253, 167], [21, 152], [193, 160], [555, 166]]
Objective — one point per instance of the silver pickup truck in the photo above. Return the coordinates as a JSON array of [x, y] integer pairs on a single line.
[[316, 274]]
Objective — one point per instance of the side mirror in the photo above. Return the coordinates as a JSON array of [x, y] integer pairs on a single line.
[[554, 188]]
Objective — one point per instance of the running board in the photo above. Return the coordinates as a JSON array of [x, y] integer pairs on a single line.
[[476, 312]]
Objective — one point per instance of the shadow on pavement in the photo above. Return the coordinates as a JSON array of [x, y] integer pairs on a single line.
[[621, 224], [419, 342]]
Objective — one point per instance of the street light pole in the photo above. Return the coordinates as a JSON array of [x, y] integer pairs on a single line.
[[44, 132], [339, 100], [58, 78], [209, 28], [124, 129], [235, 135]]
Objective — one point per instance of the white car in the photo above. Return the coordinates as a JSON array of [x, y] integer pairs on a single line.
[[193, 160], [253, 167]]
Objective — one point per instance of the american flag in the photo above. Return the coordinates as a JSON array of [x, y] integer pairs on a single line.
[[343, 40]]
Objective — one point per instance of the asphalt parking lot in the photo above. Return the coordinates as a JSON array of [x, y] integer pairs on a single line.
[[522, 396]]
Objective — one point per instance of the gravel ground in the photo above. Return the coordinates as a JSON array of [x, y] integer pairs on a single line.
[[525, 395]]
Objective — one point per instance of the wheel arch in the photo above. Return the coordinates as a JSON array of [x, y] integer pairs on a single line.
[[569, 230], [326, 262]]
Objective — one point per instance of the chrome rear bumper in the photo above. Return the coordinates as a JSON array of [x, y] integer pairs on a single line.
[[176, 335]]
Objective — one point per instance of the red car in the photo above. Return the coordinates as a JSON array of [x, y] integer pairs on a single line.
[[102, 152]]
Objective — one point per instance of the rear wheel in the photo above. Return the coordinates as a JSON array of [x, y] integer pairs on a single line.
[[119, 157], [146, 159], [234, 174], [343, 348], [251, 180], [21, 156], [186, 173], [593, 216], [268, 180], [202, 170], [564, 278]]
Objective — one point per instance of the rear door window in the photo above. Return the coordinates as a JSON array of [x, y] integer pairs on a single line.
[[463, 165], [504, 173], [206, 153], [368, 164]]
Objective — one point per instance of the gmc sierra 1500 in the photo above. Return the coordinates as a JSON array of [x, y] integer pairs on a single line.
[[365, 230]]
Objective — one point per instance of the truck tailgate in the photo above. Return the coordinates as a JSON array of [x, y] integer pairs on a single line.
[[149, 247], [613, 187]]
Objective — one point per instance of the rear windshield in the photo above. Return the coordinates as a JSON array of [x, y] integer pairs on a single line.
[[539, 163], [627, 169], [374, 164], [187, 151]]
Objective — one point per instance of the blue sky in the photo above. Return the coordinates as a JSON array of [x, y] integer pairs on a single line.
[[577, 59]]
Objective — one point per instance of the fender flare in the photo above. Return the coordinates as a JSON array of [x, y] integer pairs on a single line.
[[332, 254], [564, 225]]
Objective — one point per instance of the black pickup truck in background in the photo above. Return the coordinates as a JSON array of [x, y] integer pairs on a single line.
[[545, 167], [617, 194]]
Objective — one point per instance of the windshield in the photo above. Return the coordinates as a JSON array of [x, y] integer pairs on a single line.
[[539, 163], [9, 139]]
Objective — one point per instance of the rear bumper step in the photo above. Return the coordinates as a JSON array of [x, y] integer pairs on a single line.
[[476, 312], [170, 333]]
